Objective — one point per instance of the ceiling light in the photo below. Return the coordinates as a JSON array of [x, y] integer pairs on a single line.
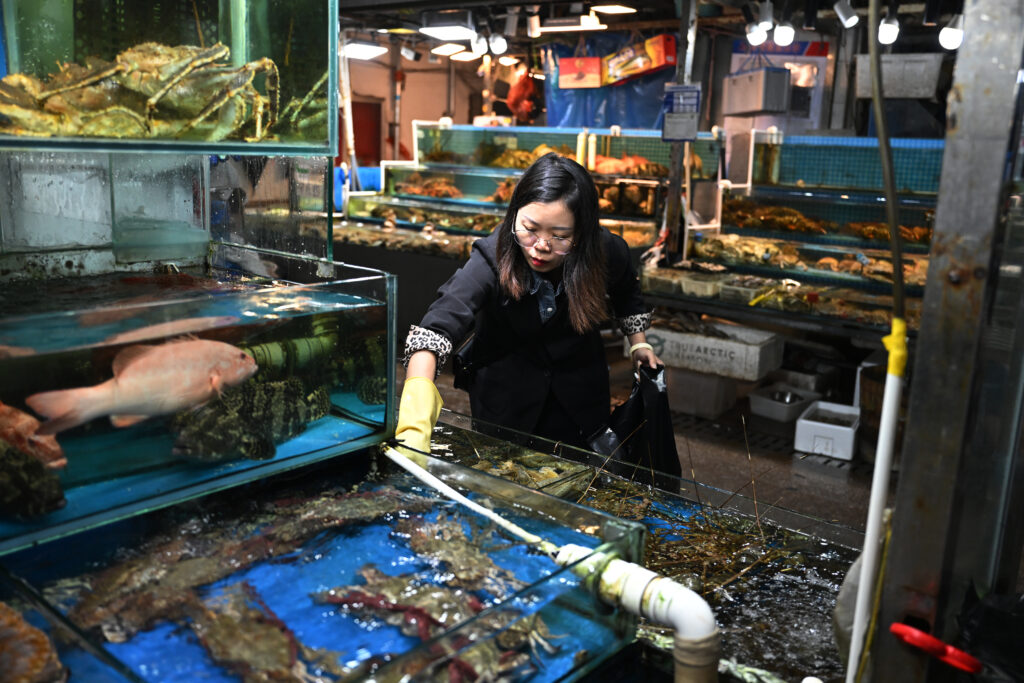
[[511, 21], [784, 34], [533, 25], [612, 9], [537, 76], [888, 30], [810, 15], [847, 17], [765, 15], [464, 56], [582, 22], [448, 49], [448, 24], [952, 34], [508, 60], [755, 34], [498, 44], [478, 46], [362, 49]]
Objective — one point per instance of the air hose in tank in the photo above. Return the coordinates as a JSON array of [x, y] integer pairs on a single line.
[[620, 584]]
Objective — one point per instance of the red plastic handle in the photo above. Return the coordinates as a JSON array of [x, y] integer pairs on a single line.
[[936, 648]]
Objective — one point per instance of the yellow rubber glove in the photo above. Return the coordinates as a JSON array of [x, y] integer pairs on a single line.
[[417, 415]]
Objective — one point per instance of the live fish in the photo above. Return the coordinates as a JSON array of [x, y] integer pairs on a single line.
[[248, 421], [148, 381], [27, 489], [19, 430], [171, 329]]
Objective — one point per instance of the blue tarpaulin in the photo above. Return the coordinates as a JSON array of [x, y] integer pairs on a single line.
[[632, 104]]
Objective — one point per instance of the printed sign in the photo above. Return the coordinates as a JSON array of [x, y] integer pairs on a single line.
[[682, 111], [579, 72]]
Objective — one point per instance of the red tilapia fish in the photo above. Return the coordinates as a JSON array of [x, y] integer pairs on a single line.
[[148, 381], [171, 329], [18, 429]]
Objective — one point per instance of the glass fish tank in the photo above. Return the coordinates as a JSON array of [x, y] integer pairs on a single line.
[[770, 575], [37, 645], [347, 570], [231, 76], [814, 162], [130, 390]]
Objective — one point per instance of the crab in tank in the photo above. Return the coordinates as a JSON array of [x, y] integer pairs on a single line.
[[425, 610], [183, 87]]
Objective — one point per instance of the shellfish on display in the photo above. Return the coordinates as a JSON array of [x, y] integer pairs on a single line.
[[26, 653]]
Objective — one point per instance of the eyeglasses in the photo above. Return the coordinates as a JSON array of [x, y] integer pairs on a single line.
[[527, 238]]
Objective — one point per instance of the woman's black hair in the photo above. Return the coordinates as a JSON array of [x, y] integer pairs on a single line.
[[554, 178]]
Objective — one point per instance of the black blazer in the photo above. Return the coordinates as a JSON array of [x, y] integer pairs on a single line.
[[519, 360]]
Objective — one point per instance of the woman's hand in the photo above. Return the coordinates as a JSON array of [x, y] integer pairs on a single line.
[[645, 356]]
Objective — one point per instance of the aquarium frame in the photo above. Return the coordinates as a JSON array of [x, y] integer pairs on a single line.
[[181, 482]]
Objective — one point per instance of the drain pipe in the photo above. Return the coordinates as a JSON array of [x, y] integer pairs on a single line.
[[659, 599], [621, 584]]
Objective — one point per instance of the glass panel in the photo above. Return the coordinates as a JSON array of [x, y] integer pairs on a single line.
[[279, 203], [155, 387], [206, 75], [771, 575], [334, 574]]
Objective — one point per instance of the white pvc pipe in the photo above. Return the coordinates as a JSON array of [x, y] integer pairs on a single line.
[[873, 532], [636, 589], [641, 591]]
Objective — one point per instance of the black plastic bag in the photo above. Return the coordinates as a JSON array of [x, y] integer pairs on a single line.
[[639, 434]]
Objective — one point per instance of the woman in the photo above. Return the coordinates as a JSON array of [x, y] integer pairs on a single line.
[[536, 291]]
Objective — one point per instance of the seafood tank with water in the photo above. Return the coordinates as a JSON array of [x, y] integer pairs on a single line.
[[770, 575], [342, 572], [201, 75], [125, 391]]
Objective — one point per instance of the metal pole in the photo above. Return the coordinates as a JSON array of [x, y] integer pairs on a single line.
[[679, 166], [346, 112], [396, 98], [935, 518]]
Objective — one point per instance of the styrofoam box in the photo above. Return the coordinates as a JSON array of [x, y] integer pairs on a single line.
[[836, 441], [762, 403], [748, 355]]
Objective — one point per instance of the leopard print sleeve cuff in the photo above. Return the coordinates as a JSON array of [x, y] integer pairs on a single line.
[[422, 339], [632, 324]]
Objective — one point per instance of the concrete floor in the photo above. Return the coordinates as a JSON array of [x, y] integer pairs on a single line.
[[716, 452]]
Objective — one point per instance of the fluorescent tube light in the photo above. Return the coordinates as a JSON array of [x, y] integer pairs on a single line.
[[359, 49], [613, 9], [448, 49], [583, 22], [448, 24], [508, 60]]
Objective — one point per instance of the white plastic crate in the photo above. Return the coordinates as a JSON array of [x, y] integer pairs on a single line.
[[816, 432], [747, 355]]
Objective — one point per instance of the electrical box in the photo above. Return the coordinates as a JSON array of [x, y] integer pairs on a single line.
[[757, 91]]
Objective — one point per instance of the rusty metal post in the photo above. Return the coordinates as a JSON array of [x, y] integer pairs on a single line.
[[935, 516]]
